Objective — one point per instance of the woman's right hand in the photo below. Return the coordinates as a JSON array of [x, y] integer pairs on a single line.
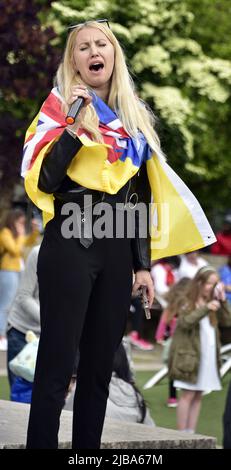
[[76, 92]]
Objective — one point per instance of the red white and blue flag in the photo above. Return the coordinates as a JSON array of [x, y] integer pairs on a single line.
[[179, 224], [50, 123]]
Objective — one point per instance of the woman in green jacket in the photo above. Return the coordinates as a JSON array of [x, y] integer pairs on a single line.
[[194, 354]]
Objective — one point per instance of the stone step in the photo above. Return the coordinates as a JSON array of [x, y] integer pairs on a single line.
[[14, 418]]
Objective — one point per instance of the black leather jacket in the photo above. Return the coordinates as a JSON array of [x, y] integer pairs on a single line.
[[54, 180]]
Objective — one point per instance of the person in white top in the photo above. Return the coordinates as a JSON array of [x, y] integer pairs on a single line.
[[190, 265], [194, 358], [164, 275]]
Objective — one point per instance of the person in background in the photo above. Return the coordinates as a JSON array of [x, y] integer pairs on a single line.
[[189, 265], [223, 243], [225, 275], [125, 401], [194, 357], [13, 240], [24, 314], [167, 325], [164, 275]]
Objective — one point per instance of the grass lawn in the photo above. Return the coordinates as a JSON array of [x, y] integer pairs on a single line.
[[210, 420], [4, 388]]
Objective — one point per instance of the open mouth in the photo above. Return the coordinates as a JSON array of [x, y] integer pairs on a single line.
[[96, 67]]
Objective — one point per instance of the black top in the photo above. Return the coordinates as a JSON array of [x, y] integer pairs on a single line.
[[53, 179]]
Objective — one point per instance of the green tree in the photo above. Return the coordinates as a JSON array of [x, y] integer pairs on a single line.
[[28, 62], [211, 26]]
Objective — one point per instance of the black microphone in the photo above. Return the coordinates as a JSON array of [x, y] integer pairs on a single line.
[[74, 110]]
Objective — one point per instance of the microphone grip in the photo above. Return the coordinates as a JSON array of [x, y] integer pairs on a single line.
[[74, 110]]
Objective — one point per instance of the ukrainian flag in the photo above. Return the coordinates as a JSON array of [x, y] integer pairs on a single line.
[[178, 223]]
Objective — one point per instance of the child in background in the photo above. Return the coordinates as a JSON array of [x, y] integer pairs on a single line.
[[167, 324], [194, 359]]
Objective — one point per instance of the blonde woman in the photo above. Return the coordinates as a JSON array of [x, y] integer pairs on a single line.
[[88, 175]]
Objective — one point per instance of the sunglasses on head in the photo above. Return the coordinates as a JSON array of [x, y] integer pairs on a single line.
[[104, 20]]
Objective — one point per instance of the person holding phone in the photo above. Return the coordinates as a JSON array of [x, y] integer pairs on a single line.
[[194, 357]]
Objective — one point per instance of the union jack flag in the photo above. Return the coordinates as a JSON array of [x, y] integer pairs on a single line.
[[181, 228], [50, 123]]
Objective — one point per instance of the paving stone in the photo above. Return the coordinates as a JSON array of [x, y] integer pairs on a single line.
[[14, 418]]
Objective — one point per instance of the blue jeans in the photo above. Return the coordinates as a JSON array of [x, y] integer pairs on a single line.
[[8, 287], [16, 341]]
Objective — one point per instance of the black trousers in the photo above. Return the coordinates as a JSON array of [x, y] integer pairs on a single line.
[[85, 296], [138, 315]]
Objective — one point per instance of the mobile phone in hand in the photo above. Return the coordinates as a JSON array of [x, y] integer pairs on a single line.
[[144, 299], [217, 291]]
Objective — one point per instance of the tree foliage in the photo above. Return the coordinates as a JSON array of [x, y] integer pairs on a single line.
[[187, 84], [211, 26], [28, 61]]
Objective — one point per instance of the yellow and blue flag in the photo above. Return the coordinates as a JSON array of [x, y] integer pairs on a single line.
[[179, 224]]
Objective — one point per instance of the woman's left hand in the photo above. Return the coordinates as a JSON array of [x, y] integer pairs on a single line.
[[143, 278]]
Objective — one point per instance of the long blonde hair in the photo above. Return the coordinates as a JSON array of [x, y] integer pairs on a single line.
[[194, 288], [175, 298], [131, 111]]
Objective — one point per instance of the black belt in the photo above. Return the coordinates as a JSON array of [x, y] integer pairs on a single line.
[[78, 197], [96, 196]]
